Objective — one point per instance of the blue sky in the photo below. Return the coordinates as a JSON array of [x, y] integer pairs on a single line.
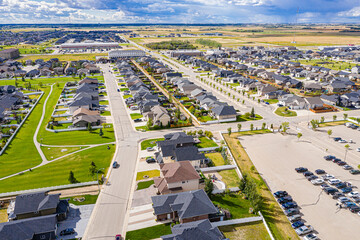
[[179, 11]]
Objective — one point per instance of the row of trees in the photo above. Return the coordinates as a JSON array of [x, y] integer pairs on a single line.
[[208, 42], [171, 45]]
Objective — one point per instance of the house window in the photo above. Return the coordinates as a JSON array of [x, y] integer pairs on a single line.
[[42, 237], [183, 182]]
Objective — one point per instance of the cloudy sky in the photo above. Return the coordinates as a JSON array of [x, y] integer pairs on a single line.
[[179, 11]]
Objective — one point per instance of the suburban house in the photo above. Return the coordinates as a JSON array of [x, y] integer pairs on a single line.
[[224, 112], [159, 116], [313, 102], [292, 101], [177, 177], [179, 147], [38, 204], [183, 207], [82, 117], [37, 228], [267, 88], [197, 230]]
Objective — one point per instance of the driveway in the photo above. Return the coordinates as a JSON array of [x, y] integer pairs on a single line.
[[78, 218], [143, 196], [141, 217]]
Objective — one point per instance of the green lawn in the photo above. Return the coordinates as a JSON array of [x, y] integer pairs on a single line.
[[332, 64], [334, 123], [136, 115], [127, 96], [106, 113], [216, 158], [145, 184], [124, 89], [271, 101], [238, 207], [56, 173], [230, 178], [205, 118], [149, 233], [21, 154], [253, 231], [55, 152], [206, 143], [89, 199], [105, 102], [243, 118], [150, 174], [150, 143], [285, 113]]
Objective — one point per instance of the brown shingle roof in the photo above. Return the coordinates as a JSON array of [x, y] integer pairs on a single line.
[[178, 171]]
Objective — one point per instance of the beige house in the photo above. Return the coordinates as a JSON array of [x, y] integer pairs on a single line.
[[159, 115], [177, 177]]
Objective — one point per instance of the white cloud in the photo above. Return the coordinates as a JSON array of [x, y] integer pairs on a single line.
[[354, 12]]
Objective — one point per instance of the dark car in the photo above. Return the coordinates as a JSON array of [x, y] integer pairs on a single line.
[[336, 160], [341, 163], [330, 190], [138, 120], [150, 160], [346, 190], [297, 224], [115, 165], [322, 186], [289, 205], [336, 139], [340, 185], [67, 231], [285, 200], [280, 194], [301, 169], [312, 177], [329, 157], [291, 211], [354, 171], [118, 90], [337, 195], [307, 173], [320, 171], [354, 209]]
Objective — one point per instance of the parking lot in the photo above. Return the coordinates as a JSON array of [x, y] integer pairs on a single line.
[[276, 156]]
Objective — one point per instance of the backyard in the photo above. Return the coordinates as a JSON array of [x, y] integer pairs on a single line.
[[234, 203], [205, 142], [253, 231], [216, 158], [154, 232]]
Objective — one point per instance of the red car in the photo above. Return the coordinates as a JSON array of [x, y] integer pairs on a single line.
[[118, 237]]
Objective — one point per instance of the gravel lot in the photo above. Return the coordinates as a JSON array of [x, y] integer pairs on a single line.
[[276, 156]]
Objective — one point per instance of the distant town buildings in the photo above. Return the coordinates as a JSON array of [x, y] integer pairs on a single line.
[[126, 54], [11, 53]]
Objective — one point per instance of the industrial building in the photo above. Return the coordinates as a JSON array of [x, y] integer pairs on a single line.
[[126, 54], [90, 45]]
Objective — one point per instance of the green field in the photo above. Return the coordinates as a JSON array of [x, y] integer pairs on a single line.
[[55, 152], [56, 173], [332, 64], [238, 207], [150, 143]]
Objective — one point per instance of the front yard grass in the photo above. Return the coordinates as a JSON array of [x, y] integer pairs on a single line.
[[89, 199], [230, 178], [281, 111], [271, 101], [206, 143], [277, 221], [154, 232], [144, 184], [234, 203], [106, 113], [150, 143], [253, 231], [216, 158], [243, 118], [3, 215], [104, 102], [52, 153], [136, 115], [205, 118], [127, 96], [150, 174], [57, 173]]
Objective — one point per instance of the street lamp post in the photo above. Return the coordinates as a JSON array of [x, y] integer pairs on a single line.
[[97, 177]]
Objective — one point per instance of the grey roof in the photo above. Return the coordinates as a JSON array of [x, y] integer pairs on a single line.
[[194, 231], [190, 153], [33, 202], [224, 110], [27, 228], [172, 141], [186, 204], [81, 101]]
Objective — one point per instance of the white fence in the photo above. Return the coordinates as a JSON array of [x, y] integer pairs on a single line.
[[22, 123], [218, 168], [208, 149], [218, 121], [9, 194], [218, 191]]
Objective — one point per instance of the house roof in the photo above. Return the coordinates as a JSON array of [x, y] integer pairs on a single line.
[[87, 118], [314, 100], [178, 171], [186, 204], [26, 228], [224, 110], [84, 111], [194, 231], [34, 202]]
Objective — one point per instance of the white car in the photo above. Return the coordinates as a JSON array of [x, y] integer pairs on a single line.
[[317, 181], [328, 176], [311, 236], [334, 181], [342, 141], [304, 230], [353, 194], [358, 149]]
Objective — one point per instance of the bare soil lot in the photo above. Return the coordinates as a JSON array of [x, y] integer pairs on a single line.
[[276, 156]]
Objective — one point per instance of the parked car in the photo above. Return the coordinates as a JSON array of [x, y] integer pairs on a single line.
[[354, 209], [67, 231], [289, 205], [340, 185], [336, 139], [358, 149], [337, 195], [317, 181], [297, 224], [307, 173], [150, 160], [280, 194], [294, 218], [285, 199], [349, 204], [342, 141], [311, 236], [347, 167], [138, 120], [320, 171], [354, 171], [115, 164], [118, 90], [304, 230], [118, 237], [322, 186], [301, 170], [342, 200], [328, 176], [334, 181], [346, 190], [329, 157], [352, 194], [341, 163], [291, 211], [330, 190], [335, 160], [311, 177]]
